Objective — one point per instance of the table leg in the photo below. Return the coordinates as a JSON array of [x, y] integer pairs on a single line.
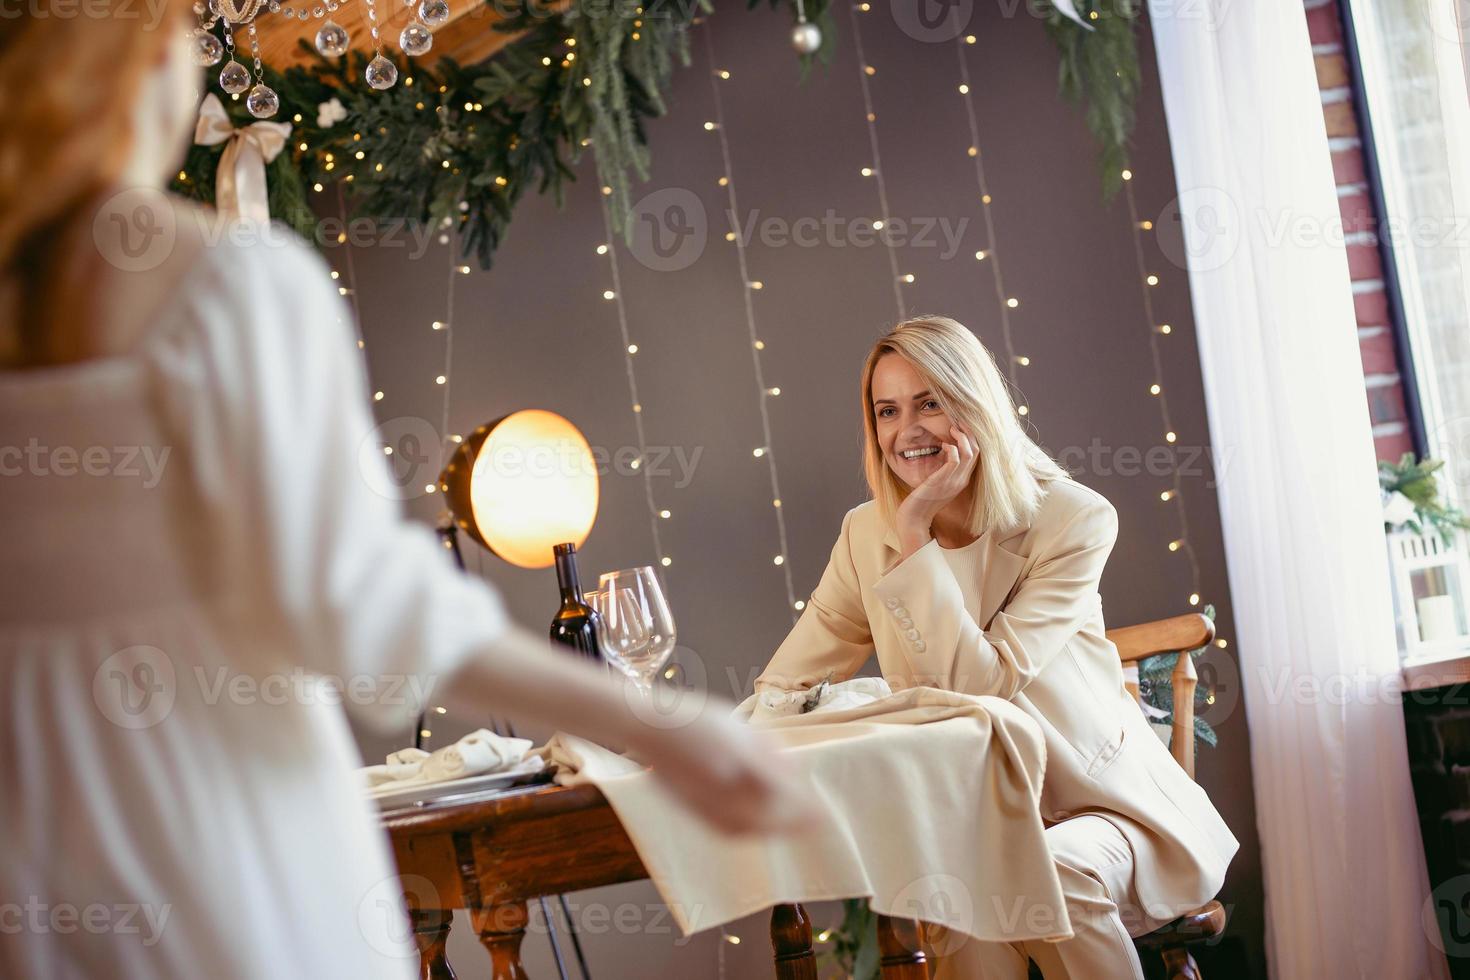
[[501, 929], [791, 940], [431, 933], [902, 956]]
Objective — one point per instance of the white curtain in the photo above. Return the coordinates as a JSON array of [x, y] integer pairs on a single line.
[[1344, 869]]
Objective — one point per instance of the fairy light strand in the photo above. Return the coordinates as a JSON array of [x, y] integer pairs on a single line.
[[446, 439], [763, 393], [351, 287], [655, 514], [864, 70], [1158, 390], [991, 253]]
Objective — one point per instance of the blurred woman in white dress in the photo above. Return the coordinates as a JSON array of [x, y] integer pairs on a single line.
[[193, 551]]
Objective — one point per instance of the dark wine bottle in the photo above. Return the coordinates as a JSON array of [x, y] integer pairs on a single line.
[[576, 623]]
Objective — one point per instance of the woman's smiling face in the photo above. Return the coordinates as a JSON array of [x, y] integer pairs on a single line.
[[911, 427]]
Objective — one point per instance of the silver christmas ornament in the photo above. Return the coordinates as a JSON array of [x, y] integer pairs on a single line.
[[233, 78], [434, 13], [332, 40], [381, 73], [806, 37], [262, 101], [207, 49], [415, 40]]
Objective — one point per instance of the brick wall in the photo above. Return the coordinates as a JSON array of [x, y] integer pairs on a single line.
[[1382, 373]]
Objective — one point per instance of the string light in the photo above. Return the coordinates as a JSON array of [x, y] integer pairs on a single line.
[[1175, 493], [988, 254], [716, 78], [629, 349], [864, 72]]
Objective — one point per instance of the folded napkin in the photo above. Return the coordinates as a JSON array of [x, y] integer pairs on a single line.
[[824, 697], [930, 805], [477, 754]]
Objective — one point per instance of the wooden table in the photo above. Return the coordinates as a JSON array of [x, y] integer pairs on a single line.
[[494, 855]]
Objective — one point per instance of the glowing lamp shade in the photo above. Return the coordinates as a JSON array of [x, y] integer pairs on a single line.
[[522, 485]]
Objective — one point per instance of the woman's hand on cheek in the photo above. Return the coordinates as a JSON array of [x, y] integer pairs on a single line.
[[924, 502]]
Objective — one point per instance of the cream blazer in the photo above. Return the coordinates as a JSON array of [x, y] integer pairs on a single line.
[[1038, 641]]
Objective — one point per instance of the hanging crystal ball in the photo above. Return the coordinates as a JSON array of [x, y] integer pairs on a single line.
[[331, 40], [434, 13], [381, 73], [262, 101], [806, 37], [233, 78], [415, 40], [207, 49]]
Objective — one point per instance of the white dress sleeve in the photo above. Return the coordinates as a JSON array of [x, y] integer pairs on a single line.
[[355, 591]]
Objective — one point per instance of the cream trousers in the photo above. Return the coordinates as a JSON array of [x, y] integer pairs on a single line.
[[1095, 865]]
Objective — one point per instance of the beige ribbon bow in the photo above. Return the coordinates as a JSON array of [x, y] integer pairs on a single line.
[[239, 185]]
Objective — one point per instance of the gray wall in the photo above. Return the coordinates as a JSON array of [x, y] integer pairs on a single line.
[[535, 331]]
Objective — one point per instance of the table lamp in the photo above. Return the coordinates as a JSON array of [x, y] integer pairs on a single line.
[[525, 487]]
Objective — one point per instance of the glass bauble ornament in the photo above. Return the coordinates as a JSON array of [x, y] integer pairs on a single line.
[[415, 40], [381, 73], [434, 13], [262, 101], [332, 40], [207, 49], [806, 37], [233, 78]]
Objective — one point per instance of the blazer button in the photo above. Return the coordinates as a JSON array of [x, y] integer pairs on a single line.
[[901, 612], [918, 646], [912, 634], [906, 623], [891, 602]]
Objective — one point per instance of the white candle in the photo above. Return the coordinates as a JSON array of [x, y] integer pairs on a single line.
[[1437, 618]]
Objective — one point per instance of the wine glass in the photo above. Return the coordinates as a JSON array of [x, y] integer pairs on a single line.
[[622, 629], [646, 602]]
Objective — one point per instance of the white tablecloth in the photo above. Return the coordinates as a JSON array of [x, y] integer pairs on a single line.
[[931, 812]]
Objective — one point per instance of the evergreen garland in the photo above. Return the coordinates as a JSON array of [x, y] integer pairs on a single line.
[[457, 145], [1100, 68]]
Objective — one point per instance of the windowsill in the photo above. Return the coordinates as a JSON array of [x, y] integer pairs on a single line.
[[1452, 668]]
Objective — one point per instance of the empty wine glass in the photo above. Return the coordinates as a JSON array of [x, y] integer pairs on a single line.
[[622, 628], [647, 603]]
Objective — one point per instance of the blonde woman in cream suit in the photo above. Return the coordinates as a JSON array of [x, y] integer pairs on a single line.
[[975, 568]]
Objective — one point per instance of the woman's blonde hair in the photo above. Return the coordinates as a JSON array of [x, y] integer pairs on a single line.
[[962, 376], [67, 88]]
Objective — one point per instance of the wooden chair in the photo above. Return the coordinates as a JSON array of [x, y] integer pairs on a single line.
[[902, 955], [1137, 643]]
